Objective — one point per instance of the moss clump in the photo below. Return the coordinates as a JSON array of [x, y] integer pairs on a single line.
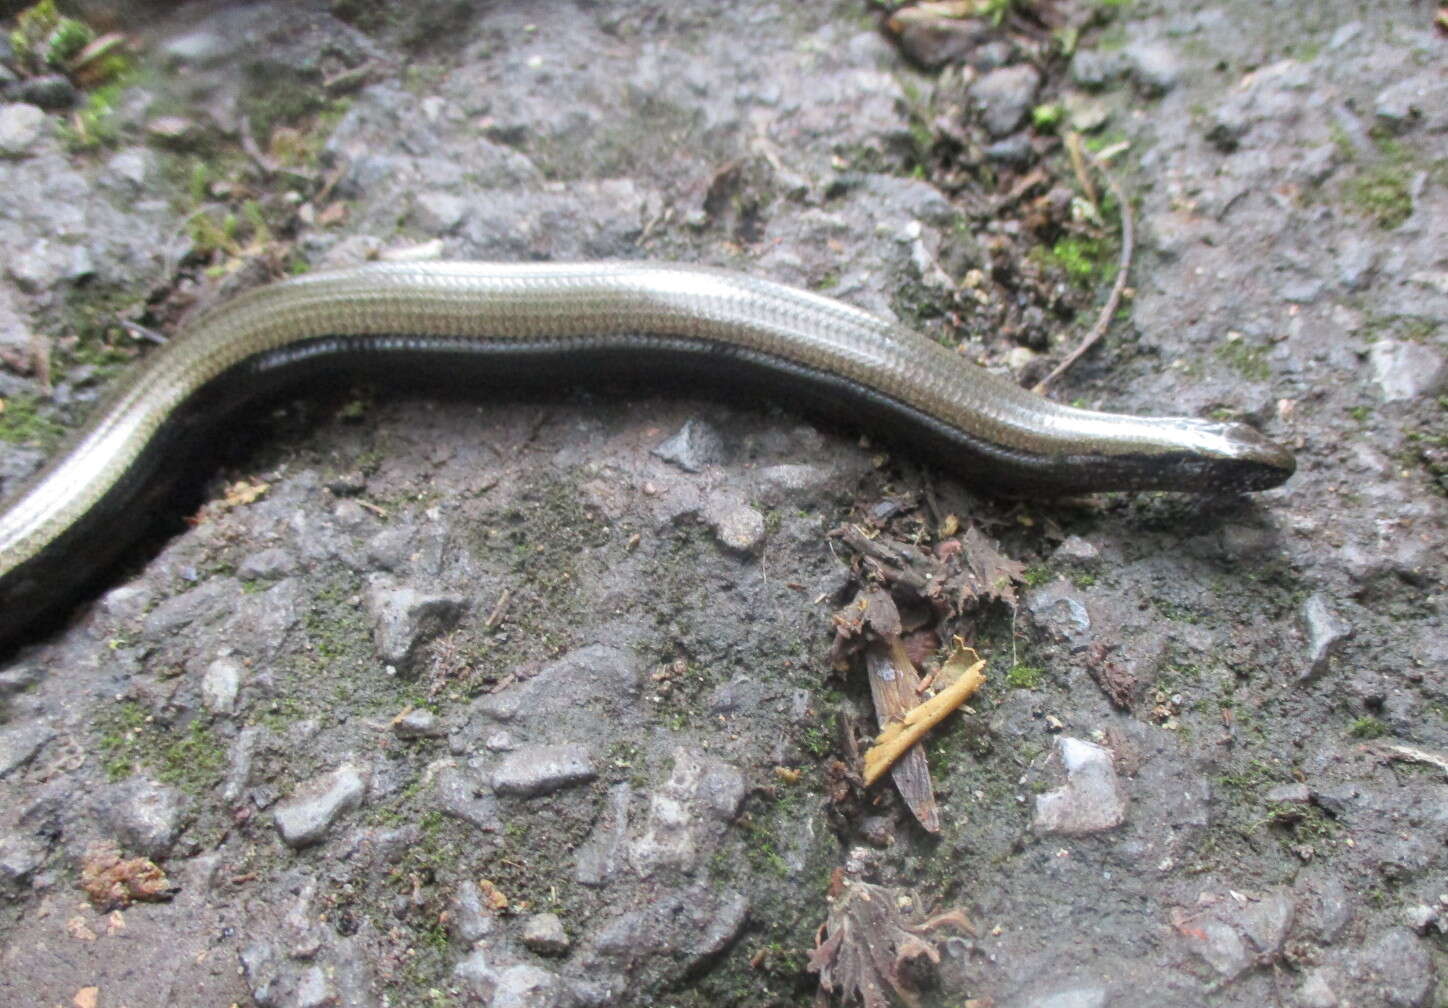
[[1047, 118], [23, 422], [1380, 189], [43, 39], [1247, 360], [1381, 192], [1367, 727], [1036, 576], [1026, 677], [93, 125], [192, 759], [1086, 261]]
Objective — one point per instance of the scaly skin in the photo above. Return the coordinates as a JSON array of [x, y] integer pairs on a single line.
[[59, 530]]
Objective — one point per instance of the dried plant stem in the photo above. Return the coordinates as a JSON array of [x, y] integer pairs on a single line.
[[899, 736], [1128, 241]]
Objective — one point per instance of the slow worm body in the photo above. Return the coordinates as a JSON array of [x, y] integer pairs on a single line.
[[488, 323]]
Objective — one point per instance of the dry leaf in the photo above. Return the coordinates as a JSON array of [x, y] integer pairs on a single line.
[[78, 929], [113, 882], [989, 574], [866, 941], [872, 614], [243, 492], [962, 660], [897, 737], [87, 997], [493, 896]]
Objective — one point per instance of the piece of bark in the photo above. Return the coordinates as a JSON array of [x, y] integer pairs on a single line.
[[894, 686], [897, 736]]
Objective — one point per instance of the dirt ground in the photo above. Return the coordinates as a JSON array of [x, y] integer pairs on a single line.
[[459, 699]]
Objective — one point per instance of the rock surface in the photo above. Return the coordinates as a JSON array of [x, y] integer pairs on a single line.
[[1091, 800], [305, 818], [607, 606]]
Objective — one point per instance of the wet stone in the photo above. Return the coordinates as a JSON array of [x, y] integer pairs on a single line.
[[1077, 997], [1400, 105], [693, 447], [131, 169], [471, 920], [220, 685], [932, 42], [521, 985], [1154, 67], [544, 934], [739, 528], [144, 815], [463, 794], [417, 724], [1399, 969], [1406, 370], [1317, 991], [1078, 552], [52, 92], [600, 855], [267, 565], [688, 812], [305, 818], [1420, 918], [389, 548], [175, 132], [1095, 68], [1060, 610], [238, 774], [539, 769], [313, 991], [792, 481], [20, 857], [1091, 799], [207, 600], [1004, 97], [18, 678], [1357, 259], [1240, 932], [20, 742], [1086, 114], [693, 925], [527, 986], [21, 128], [438, 213], [1325, 633], [1289, 794], [878, 831], [404, 619], [1014, 151]]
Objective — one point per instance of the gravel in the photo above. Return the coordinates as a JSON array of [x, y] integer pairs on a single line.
[[472, 661]]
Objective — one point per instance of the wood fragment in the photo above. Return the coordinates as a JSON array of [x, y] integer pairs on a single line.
[[892, 686], [1412, 754], [1077, 152], [897, 737], [499, 609], [268, 166]]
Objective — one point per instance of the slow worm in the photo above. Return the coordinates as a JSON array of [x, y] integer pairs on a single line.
[[496, 324]]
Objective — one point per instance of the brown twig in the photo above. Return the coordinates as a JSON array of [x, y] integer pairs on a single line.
[[1128, 240], [893, 680], [1077, 152], [899, 736], [496, 616]]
